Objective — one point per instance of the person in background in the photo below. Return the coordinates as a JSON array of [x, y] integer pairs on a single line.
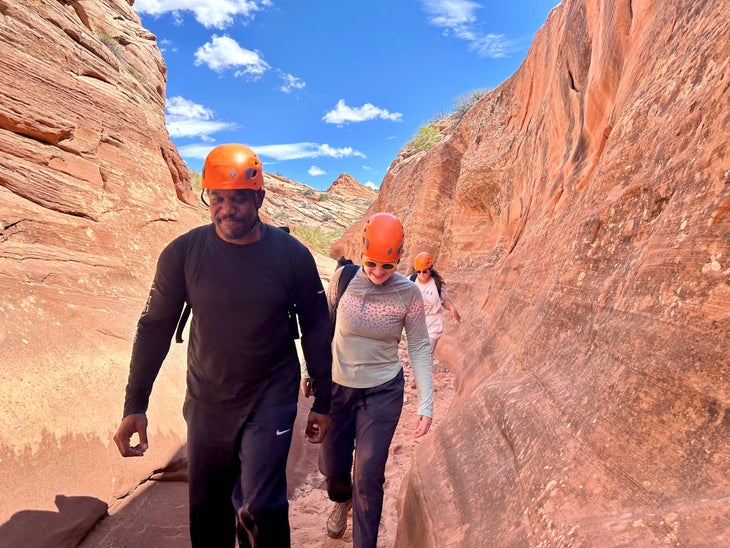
[[243, 370], [367, 379], [435, 299]]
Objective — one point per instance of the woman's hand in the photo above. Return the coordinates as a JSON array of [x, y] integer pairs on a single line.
[[306, 386], [448, 305], [422, 426]]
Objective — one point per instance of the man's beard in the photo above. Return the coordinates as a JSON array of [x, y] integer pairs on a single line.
[[238, 231]]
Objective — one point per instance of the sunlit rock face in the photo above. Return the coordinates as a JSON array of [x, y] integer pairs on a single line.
[[91, 188], [580, 213], [293, 204]]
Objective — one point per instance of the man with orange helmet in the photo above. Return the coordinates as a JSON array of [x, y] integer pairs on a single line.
[[243, 370], [367, 378]]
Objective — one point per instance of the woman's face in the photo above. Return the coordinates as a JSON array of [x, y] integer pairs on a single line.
[[378, 272], [424, 275]]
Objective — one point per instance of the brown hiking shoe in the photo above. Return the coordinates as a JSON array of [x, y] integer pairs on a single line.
[[337, 522]]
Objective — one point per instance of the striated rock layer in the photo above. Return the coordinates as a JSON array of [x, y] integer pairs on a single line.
[[581, 215], [91, 188], [293, 204]]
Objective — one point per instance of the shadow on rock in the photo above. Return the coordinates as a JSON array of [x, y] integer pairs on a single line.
[[65, 528]]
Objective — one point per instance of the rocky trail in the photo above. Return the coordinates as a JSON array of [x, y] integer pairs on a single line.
[[156, 513]]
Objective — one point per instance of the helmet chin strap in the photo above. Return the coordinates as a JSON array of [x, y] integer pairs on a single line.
[[258, 200]]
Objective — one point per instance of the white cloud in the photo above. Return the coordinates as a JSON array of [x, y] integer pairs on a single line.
[[196, 152], [297, 151], [493, 45], [450, 14], [290, 82], [223, 52], [370, 184], [164, 44], [314, 171], [179, 106], [292, 151], [195, 128], [458, 18], [343, 114], [188, 119], [209, 13]]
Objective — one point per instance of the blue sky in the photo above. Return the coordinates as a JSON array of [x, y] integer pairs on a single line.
[[323, 87]]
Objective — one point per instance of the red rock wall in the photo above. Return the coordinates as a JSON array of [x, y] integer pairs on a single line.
[[581, 215], [91, 188]]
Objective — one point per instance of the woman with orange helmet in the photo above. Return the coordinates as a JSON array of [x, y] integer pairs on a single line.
[[435, 299], [367, 378]]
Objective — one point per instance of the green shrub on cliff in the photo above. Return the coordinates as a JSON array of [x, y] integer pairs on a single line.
[[465, 101], [319, 238], [428, 134], [425, 138]]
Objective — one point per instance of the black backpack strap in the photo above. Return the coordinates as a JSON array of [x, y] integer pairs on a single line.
[[282, 257], [342, 261]]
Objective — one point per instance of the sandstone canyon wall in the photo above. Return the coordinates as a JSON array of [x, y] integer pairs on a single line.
[[581, 215], [91, 188]]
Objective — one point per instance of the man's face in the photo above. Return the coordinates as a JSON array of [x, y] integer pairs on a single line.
[[234, 214]]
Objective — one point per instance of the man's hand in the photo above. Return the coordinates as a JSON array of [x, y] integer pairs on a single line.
[[132, 424], [317, 427], [422, 426]]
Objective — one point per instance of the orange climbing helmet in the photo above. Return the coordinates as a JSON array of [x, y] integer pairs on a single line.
[[232, 167], [382, 238], [423, 261]]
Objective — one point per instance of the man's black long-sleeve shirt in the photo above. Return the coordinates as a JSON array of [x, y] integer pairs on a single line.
[[241, 354]]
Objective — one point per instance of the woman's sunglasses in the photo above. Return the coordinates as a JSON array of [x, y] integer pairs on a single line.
[[384, 266], [426, 271]]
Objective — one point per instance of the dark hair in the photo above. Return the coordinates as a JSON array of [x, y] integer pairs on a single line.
[[438, 279]]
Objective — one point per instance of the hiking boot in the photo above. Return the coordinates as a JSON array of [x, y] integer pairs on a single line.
[[337, 522]]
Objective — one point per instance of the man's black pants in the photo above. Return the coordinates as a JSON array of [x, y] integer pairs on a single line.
[[223, 449]]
